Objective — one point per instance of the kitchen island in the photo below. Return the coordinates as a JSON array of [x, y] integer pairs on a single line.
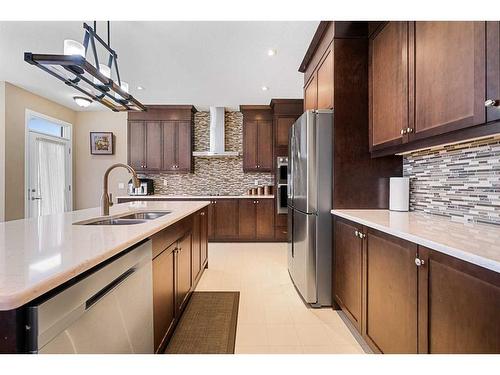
[[41, 255]]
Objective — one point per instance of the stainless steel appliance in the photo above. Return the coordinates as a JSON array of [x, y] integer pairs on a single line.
[[146, 187], [108, 311], [309, 205], [282, 190]]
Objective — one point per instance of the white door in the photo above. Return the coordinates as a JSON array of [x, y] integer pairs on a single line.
[[49, 175]]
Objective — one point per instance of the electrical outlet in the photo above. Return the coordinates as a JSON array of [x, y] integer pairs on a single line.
[[164, 182], [256, 182], [121, 185]]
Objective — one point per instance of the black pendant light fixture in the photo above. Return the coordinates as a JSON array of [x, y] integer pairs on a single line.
[[93, 80]]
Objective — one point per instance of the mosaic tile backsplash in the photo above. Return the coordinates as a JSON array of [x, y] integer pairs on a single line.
[[461, 181], [212, 176]]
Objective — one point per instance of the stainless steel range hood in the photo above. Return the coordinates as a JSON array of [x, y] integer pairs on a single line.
[[217, 137]]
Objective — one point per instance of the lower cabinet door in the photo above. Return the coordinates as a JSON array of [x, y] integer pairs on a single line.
[[459, 306], [391, 294], [204, 236], [226, 219], [211, 221], [247, 219], [196, 248], [348, 270], [183, 274], [163, 294], [265, 219]]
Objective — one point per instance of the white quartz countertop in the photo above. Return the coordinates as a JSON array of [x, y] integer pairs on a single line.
[[39, 254], [159, 196], [474, 243]]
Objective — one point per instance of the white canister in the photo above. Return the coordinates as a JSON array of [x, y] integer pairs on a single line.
[[399, 193]]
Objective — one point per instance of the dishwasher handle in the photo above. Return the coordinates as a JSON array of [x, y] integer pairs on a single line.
[[108, 288]]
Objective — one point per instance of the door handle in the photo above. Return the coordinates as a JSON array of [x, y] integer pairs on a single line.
[[36, 198]]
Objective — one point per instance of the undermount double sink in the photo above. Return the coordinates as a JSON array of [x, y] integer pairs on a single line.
[[139, 217]]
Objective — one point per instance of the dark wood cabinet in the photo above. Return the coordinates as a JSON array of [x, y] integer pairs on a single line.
[[136, 144], [225, 216], [264, 145], [311, 94], [256, 220], [391, 294], [283, 125], [179, 252], [449, 76], [459, 306], [184, 280], [348, 269], [247, 219], [264, 214], [432, 82], [325, 81], [160, 140], [388, 71], [164, 294], [211, 221], [153, 151], [257, 138], [406, 298], [493, 70], [177, 147]]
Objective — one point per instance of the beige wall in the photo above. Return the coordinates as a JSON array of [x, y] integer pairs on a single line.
[[90, 168], [17, 101], [2, 150]]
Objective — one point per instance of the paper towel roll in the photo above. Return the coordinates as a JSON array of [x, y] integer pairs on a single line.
[[399, 193]]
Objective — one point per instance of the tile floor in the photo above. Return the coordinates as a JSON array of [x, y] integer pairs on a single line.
[[272, 317]]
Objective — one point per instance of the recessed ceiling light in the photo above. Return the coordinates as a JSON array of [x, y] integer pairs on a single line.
[[81, 101], [271, 52], [265, 88], [140, 88]]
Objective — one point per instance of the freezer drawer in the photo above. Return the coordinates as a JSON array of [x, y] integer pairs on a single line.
[[109, 311], [302, 266]]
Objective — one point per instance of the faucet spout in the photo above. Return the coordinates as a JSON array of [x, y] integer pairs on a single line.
[[105, 198]]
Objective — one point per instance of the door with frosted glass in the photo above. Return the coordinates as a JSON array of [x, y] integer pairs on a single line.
[[49, 177]]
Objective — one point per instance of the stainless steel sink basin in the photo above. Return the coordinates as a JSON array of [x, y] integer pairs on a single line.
[[138, 217], [145, 215], [116, 221]]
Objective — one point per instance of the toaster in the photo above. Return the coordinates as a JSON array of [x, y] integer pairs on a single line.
[[146, 188]]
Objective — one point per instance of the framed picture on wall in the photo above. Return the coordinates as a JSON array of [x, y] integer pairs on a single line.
[[101, 143]]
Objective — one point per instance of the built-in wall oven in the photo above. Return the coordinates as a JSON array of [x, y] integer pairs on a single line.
[[282, 190]]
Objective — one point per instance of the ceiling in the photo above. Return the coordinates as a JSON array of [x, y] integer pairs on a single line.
[[183, 62]]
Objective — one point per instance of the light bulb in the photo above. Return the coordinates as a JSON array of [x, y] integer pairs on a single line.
[[72, 47], [124, 87], [105, 71]]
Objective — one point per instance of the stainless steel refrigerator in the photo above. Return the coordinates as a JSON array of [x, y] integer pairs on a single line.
[[309, 205]]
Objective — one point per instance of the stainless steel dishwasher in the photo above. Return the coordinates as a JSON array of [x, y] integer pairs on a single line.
[[109, 311]]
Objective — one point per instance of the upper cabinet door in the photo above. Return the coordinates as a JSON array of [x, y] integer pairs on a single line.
[[264, 145], [153, 150], [449, 74], [184, 146], [325, 82], [136, 144], [311, 94], [169, 145], [250, 145], [389, 85], [493, 69]]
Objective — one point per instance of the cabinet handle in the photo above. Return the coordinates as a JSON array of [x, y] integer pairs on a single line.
[[409, 130], [490, 103], [356, 233], [202, 214], [253, 202], [257, 202], [403, 131], [419, 262]]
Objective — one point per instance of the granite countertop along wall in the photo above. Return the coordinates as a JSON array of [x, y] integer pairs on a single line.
[[211, 175]]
